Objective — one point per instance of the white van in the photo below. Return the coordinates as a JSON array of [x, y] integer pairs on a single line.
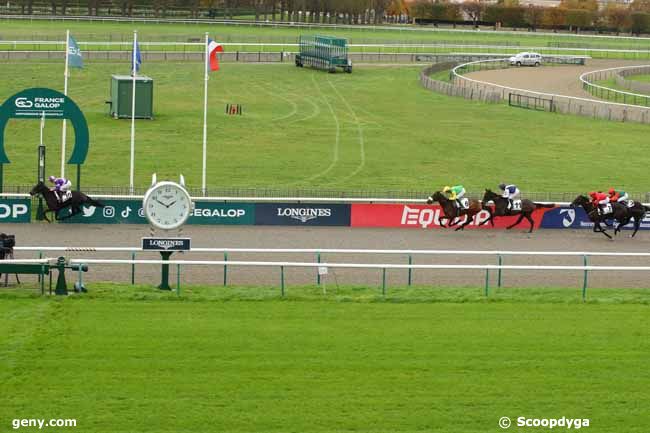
[[526, 59]]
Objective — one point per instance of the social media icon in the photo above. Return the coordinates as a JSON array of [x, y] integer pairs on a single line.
[[109, 212], [126, 212]]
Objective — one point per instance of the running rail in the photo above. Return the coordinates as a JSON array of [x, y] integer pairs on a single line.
[[355, 265], [584, 78], [297, 24], [551, 95], [345, 251]]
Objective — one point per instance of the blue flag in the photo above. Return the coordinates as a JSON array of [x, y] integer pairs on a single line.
[[136, 58], [75, 59]]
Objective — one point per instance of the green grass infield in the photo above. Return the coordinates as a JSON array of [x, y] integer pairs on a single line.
[[124, 359]]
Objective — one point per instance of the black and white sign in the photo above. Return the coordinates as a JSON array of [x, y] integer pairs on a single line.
[[302, 214], [166, 244]]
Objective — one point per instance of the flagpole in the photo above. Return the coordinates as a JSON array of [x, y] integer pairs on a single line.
[[205, 116], [65, 92], [133, 73]]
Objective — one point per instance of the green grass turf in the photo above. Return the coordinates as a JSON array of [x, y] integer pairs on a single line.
[[88, 31], [619, 97], [645, 78], [374, 129], [151, 363]]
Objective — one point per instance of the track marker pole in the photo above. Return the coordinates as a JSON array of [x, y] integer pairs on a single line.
[[132, 269], [282, 280], [383, 282], [584, 279], [410, 270], [178, 280], [487, 283], [225, 268], [499, 274], [317, 270]]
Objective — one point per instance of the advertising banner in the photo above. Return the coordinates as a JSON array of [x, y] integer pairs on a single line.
[[222, 213], [566, 217], [289, 214], [15, 210], [114, 212], [166, 244], [424, 216], [130, 212]]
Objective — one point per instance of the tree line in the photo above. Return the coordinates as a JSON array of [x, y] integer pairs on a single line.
[[573, 15], [306, 11]]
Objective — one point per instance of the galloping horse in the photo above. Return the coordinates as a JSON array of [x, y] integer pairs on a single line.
[[75, 202], [501, 209], [451, 211], [637, 212], [619, 213]]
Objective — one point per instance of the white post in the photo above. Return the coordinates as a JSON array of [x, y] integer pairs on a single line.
[[133, 74], [42, 126], [205, 116], [65, 92]]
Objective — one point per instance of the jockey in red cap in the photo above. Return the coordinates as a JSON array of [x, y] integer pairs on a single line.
[[599, 199]]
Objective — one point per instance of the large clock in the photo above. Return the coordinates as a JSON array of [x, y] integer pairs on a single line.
[[167, 205]]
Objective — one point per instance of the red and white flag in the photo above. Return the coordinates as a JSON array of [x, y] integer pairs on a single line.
[[213, 49]]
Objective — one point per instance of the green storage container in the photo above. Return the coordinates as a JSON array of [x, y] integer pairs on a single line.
[[121, 86]]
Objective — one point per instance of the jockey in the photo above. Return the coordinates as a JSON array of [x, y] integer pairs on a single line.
[[618, 196], [61, 186], [455, 193], [599, 199], [510, 192]]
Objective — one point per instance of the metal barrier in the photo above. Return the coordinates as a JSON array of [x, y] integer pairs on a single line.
[[609, 93], [499, 256], [562, 103], [530, 102]]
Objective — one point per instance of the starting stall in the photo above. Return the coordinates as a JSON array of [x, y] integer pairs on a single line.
[[324, 52]]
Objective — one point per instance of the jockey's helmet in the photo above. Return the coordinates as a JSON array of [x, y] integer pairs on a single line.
[[446, 189], [612, 191], [502, 186], [592, 194], [52, 178]]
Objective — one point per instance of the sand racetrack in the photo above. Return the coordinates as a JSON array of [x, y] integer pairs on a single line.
[[329, 237], [559, 80]]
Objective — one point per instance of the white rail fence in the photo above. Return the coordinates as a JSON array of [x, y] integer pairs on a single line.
[[355, 47], [610, 93], [322, 266], [561, 103], [297, 24]]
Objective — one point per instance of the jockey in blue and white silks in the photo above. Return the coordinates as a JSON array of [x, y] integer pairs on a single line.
[[510, 192], [61, 186]]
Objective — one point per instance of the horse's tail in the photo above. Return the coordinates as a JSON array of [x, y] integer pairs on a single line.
[[94, 202], [646, 208]]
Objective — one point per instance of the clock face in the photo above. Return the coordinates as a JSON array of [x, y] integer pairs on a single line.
[[167, 205]]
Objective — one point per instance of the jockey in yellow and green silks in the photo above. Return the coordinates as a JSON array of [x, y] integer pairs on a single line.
[[455, 193]]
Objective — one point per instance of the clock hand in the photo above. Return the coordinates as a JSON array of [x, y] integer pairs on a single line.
[[171, 204], [160, 202]]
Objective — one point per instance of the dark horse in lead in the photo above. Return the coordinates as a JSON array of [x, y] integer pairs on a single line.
[[73, 204]]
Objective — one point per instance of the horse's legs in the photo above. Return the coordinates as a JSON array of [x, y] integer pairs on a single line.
[[599, 229], [490, 218], [637, 224], [470, 218], [520, 219], [531, 221]]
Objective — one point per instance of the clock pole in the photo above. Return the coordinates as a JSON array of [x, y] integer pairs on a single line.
[[164, 282]]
